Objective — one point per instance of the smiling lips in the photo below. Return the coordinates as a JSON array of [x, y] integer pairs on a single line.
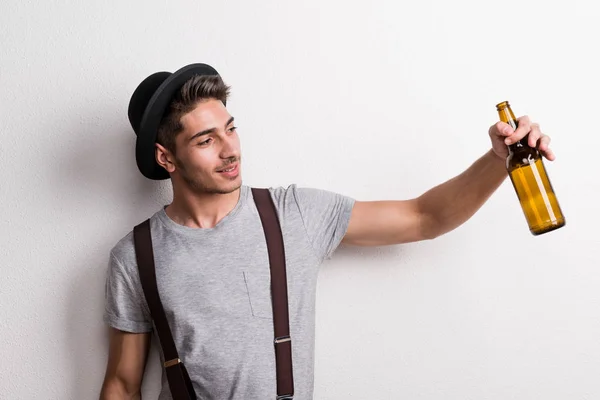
[[231, 170]]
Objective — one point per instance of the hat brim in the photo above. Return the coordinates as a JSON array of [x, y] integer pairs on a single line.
[[145, 153]]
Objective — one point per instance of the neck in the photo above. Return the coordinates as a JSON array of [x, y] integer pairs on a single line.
[[203, 210]]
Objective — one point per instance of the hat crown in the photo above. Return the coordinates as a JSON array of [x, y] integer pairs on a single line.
[[141, 96]]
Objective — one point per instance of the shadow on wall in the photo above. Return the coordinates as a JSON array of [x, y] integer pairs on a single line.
[[104, 169], [87, 346], [97, 183], [86, 335]]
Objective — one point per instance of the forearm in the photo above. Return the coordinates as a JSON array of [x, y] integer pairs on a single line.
[[453, 202]]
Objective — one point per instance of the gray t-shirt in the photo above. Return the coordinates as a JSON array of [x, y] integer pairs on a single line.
[[215, 288]]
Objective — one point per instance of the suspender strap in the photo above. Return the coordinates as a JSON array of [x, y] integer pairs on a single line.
[[283, 341], [179, 380]]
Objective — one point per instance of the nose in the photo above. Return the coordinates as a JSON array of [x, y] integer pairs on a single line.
[[230, 147]]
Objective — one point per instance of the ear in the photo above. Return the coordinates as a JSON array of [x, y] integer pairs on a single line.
[[165, 158]]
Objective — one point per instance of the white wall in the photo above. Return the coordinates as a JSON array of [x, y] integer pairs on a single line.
[[377, 100]]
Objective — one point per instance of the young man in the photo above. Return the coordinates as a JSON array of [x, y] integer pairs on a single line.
[[212, 266]]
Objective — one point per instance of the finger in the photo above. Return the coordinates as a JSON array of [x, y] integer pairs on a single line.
[[523, 128], [534, 135], [544, 148], [549, 154], [501, 129], [544, 143]]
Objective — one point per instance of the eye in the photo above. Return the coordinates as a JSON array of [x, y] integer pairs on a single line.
[[205, 142], [232, 129]]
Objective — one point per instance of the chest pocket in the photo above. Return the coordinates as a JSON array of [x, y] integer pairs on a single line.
[[257, 278], [258, 286]]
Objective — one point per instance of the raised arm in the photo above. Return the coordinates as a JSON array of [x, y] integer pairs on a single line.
[[127, 357], [446, 206]]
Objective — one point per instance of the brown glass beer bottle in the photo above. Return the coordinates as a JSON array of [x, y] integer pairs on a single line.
[[530, 180]]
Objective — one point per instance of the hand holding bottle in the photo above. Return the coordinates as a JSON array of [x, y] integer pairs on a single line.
[[503, 134]]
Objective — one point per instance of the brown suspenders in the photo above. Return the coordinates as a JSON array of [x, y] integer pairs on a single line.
[[180, 383], [279, 298], [177, 376]]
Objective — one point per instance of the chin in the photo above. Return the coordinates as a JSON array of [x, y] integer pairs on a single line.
[[231, 186]]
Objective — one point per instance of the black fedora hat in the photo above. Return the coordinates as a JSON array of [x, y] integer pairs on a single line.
[[147, 107]]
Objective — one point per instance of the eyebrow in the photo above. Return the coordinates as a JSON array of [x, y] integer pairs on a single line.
[[208, 131]]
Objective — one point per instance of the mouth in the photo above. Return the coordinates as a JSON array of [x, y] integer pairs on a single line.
[[230, 170]]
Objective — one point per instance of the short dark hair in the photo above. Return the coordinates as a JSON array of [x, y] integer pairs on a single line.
[[195, 90]]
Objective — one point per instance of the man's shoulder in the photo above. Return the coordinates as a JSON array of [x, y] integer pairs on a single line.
[[296, 199], [287, 195], [301, 194], [123, 250], [282, 191], [124, 247], [293, 190]]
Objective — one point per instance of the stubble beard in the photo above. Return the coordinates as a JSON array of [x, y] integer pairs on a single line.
[[197, 186]]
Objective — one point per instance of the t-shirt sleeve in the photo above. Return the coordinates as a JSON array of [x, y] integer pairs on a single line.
[[124, 307], [326, 216]]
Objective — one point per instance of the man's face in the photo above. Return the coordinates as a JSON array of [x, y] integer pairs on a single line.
[[208, 156]]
